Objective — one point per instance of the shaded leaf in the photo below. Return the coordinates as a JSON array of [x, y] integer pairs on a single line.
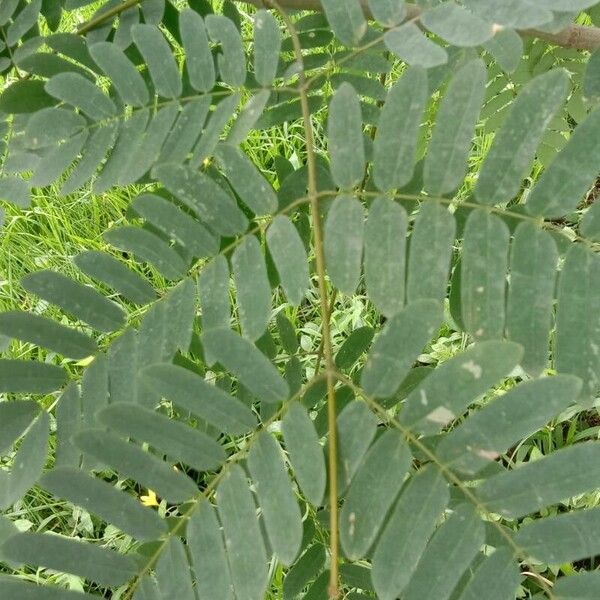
[[289, 256], [243, 540], [385, 253], [407, 532], [533, 262], [483, 275], [447, 392], [279, 507], [131, 461], [395, 144], [345, 137], [511, 155], [398, 345], [189, 391], [305, 452], [344, 242], [105, 500], [372, 492]]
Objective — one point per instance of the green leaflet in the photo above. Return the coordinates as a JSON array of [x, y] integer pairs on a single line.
[[447, 392], [533, 262], [15, 190], [289, 256], [213, 286], [253, 292], [591, 81], [248, 364], [104, 566], [590, 223], [148, 247], [356, 428], [398, 345], [353, 347], [246, 551], [186, 131], [159, 57], [567, 5], [131, 461], [170, 436], [15, 418], [81, 301], [496, 578], [446, 159], [395, 144], [483, 275], [538, 484], [28, 462], [232, 59], [577, 319], [510, 13], [287, 334], [105, 500], [388, 12], [23, 22], [214, 128], [267, 47], [305, 452], [30, 377], [385, 252], [491, 430], [6, 10], [247, 119], [190, 392], [81, 93], [199, 63], [204, 196], [172, 572], [507, 48], [207, 549], [167, 326], [447, 556], [570, 175], [583, 586], [129, 140], [123, 75], [344, 242], [564, 538], [409, 44], [457, 25], [68, 420], [431, 244], [511, 155], [150, 144], [176, 224], [54, 163], [309, 565], [407, 532], [46, 333], [18, 589], [50, 126], [247, 181], [345, 136], [278, 503], [346, 19], [372, 492]]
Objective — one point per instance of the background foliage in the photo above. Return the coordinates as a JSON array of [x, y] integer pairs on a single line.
[[300, 303]]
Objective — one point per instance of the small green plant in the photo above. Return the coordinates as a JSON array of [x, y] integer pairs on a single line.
[[193, 391]]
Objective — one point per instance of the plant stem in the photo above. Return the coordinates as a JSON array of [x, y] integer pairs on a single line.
[[313, 196], [105, 16], [580, 37]]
